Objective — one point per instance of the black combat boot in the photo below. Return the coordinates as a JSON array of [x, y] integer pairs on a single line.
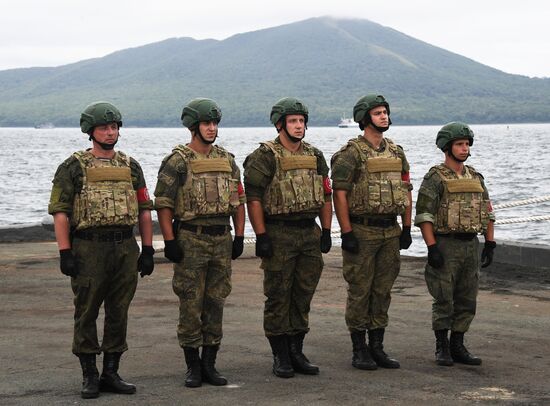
[[459, 353], [376, 339], [299, 361], [208, 360], [193, 376], [90, 375], [442, 351], [361, 357], [281, 360], [110, 380]]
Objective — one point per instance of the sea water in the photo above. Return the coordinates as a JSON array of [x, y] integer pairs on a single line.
[[514, 159]]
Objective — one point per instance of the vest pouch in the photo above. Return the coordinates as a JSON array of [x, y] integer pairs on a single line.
[[198, 202], [386, 195], [234, 193], [400, 193], [101, 206]]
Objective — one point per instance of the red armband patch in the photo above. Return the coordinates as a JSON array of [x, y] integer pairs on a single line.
[[406, 177], [489, 207], [143, 195], [326, 185], [240, 189]]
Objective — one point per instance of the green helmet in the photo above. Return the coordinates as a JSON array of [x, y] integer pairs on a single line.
[[99, 113], [200, 110], [286, 106], [366, 104], [454, 130]]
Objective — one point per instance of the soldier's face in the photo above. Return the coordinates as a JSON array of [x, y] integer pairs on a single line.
[[379, 116], [106, 133], [296, 125], [461, 149], [209, 130]]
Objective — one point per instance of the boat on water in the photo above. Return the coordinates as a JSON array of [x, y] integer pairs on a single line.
[[346, 122]]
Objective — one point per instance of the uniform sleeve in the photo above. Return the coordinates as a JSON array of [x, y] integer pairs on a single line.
[[65, 186], [236, 174], [428, 199], [486, 196], [343, 166], [405, 169], [171, 175], [259, 169], [322, 169], [140, 186]]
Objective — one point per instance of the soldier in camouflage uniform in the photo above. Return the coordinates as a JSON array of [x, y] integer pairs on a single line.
[[453, 207], [371, 182], [287, 187], [98, 195], [198, 190]]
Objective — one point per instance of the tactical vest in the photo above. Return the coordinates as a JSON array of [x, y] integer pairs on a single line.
[[107, 197], [379, 188], [296, 186], [209, 188], [462, 208]]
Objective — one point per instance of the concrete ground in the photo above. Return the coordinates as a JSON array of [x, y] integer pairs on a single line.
[[510, 333]]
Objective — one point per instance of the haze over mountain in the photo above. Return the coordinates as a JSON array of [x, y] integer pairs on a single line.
[[328, 63]]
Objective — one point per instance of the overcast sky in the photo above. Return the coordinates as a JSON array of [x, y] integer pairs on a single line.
[[512, 36]]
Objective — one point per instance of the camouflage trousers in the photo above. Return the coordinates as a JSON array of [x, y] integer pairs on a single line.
[[202, 281], [454, 286], [107, 275], [291, 276], [370, 275]]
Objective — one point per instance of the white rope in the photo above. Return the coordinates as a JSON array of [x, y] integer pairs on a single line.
[[522, 220], [522, 202]]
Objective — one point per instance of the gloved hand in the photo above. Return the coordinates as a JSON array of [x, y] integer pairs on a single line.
[[326, 241], [350, 242], [405, 239], [435, 258], [238, 246], [264, 246], [67, 263], [487, 253], [172, 251], [146, 264]]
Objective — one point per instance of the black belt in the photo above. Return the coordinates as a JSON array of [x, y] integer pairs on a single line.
[[383, 222], [458, 236], [104, 236], [210, 230], [303, 223]]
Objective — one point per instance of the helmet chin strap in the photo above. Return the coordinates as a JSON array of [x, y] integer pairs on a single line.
[[103, 145], [205, 140], [450, 153], [290, 137]]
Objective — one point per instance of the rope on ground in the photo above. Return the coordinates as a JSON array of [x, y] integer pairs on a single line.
[[522, 202]]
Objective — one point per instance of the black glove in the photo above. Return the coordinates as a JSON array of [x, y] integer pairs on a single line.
[[435, 258], [405, 239], [172, 251], [146, 264], [264, 246], [326, 241], [67, 263], [487, 253], [238, 246], [350, 243]]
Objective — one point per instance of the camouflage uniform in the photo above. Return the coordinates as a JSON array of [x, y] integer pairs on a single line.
[[454, 287], [291, 275], [202, 281], [106, 254], [371, 273]]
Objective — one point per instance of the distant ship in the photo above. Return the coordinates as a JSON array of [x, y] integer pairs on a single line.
[[346, 122], [44, 126]]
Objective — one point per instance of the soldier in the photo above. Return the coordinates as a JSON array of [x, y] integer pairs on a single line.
[[287, 187], [371, 182], [98, 195], [198, 189], [453, 207]]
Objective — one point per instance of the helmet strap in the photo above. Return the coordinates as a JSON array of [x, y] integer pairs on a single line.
[[450, 153], [290, 137], [205, 141], [103, 145]]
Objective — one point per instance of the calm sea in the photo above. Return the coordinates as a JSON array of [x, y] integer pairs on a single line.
[[515, 160]]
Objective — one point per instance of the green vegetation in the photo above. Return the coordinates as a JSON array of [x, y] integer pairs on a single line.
[[328, 63]]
